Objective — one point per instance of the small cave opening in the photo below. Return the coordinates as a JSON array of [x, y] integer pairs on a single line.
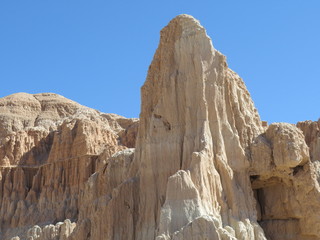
[[254, 177], [29, 173], [296, 170], [275, 213]]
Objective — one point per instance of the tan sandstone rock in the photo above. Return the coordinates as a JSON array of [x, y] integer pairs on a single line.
[[49, 148], [204, 165], [311, 131], [191, 161], [198, 116]]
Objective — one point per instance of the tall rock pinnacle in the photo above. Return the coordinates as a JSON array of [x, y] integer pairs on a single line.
[[203, 167], [197, 120]]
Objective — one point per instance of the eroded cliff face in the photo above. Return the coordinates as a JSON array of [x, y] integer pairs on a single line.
[[204, 166], [50, 146]]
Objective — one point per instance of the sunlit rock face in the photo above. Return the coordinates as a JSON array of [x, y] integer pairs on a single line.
[[199, 164], [49, 147], [196, 124]]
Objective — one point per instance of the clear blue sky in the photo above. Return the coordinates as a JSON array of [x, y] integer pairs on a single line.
[[98, 52]]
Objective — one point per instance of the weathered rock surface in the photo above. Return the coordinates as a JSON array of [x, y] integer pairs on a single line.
[[285, 184], [59, 231], [196, 116], [50, 146], [311, 131], [204, 165]]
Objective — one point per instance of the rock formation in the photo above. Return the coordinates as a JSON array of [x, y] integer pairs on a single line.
[[204, 165], [50, 146]]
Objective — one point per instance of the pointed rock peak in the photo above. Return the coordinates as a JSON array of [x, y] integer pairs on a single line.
[[196, 115], [183, 26], [186, 20]]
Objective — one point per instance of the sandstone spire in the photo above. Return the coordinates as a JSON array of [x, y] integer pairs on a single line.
[[203, 167], [197, 121]]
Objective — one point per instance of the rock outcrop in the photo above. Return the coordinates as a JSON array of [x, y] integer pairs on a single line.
[[50, 146], [311, 131], [285, 184], [196, 124], [199, 164]]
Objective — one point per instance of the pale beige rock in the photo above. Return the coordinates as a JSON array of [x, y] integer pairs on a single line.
[[285, 183], [59, 231], [311, 131], [48, 151], [182, 205], [289, 148], [204, 165], [278, 151], [198, 116], [21, 110], [110, 192], [129, 134]]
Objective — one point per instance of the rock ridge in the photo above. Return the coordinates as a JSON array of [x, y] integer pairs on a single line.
[[50, 146]]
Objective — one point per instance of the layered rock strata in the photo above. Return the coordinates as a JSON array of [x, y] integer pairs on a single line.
[[204, 165]]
